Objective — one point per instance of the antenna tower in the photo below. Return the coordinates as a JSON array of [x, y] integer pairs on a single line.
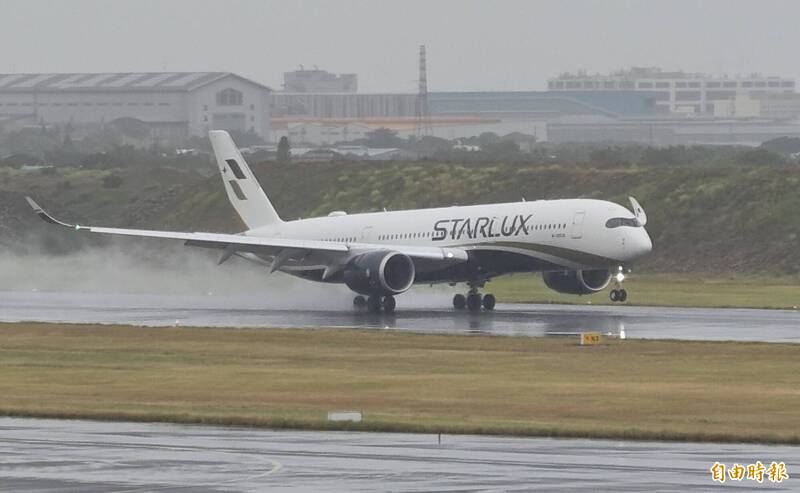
[[422, 111]]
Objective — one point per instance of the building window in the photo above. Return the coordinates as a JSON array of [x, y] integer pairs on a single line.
[[747, 83], [687, 95], [729, 84], [694, 84], [662, 85], [680, 84], [713, 84], [645, 85], [252, 107], [720, 94], [229, 97], [205, 107]]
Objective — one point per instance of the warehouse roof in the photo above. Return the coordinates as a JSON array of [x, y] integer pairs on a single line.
[[117, 81]]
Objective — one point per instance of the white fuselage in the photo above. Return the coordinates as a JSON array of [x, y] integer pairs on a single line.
[[553, 234]]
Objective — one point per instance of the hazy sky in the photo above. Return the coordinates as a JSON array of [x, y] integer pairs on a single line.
[[497, 44]]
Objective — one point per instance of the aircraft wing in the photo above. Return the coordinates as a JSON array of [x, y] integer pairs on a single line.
[[286, 247]]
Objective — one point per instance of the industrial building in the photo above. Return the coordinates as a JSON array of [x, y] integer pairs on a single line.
[[773, 106], [542, 105], [644, 105], [172, 105], [319, 81], [674, 92]]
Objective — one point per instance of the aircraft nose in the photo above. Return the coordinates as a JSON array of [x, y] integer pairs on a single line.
[[639, 244]]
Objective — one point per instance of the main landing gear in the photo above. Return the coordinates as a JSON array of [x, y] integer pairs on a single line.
[[473, 301], [376, 304], [618, 294]]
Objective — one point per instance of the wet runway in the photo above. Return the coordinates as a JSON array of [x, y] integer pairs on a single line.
[[87, 456], [508, 319]]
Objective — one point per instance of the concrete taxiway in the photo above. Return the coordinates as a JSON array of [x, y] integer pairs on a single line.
[[508, 319], [86, 456]]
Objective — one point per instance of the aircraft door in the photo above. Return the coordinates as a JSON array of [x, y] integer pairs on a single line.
[[366, 235], [577, 225]]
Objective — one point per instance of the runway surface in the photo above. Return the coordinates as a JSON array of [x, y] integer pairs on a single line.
[[507, 319], [87, 456]]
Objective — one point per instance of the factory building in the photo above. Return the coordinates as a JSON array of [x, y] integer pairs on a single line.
[[502, 104], [172, 106], [319, 81], [674, 92], [772, 106]]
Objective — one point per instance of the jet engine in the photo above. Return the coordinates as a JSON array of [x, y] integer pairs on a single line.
[[380, 273], [577, 281]]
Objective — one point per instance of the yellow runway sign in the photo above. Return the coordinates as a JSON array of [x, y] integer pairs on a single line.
[[590, 338]]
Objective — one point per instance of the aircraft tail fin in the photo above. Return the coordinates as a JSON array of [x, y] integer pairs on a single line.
[[244, 191]]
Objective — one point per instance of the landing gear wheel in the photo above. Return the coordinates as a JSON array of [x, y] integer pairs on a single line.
[[614, 295], [489, 301], [389, 304], [359, 302], [459, 302], [623, 295], [374, 304], [474, 302]]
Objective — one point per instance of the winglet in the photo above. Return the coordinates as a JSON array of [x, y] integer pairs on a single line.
[[47, 217]]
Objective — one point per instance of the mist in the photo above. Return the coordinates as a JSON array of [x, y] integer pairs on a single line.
[[156, 268]]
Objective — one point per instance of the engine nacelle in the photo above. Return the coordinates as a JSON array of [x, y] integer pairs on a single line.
[[380, 273], [577, 281]]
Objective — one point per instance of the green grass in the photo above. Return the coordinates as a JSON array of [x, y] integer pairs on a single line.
[[664, 290], [674, 390]]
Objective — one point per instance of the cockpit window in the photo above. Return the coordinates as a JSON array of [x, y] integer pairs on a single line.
[[616, 222]]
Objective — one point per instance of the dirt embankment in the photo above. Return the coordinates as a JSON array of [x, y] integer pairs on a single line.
[[721, 219]]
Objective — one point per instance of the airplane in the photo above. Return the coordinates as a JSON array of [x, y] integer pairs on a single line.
[[579, 245]]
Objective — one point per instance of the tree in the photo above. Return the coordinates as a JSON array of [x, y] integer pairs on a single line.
[[284, 151], [112, 181], [384, 138]]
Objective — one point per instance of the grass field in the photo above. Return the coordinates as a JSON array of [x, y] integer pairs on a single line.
[[664, 290], [639, 389]]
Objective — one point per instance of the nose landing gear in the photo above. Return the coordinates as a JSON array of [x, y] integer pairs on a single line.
[[618, 294]]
